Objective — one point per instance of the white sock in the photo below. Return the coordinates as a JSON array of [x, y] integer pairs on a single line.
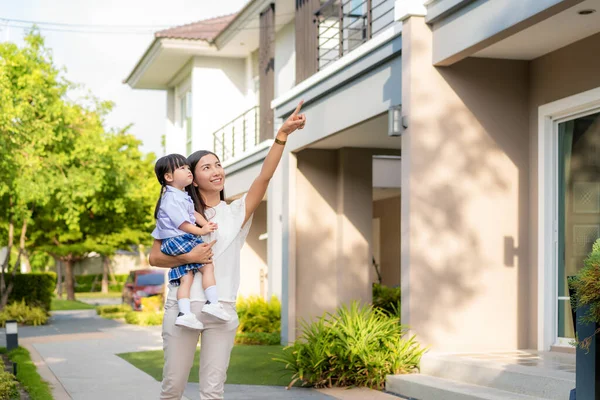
[[211, 294], [184, 306]]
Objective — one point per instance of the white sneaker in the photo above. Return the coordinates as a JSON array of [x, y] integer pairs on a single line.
[[189, 321], [216, 310]]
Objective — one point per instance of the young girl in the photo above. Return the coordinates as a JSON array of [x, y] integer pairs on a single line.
[[176, 226]]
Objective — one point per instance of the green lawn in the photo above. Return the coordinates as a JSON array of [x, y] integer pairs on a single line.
[[27, 374], [249, 365], [98, 295], [63, 305]]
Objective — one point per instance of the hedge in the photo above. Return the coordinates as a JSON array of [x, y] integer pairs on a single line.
[[35, 289], [83, 283]]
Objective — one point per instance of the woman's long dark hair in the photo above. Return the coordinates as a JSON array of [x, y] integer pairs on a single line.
[[166, 165], [199, 203]]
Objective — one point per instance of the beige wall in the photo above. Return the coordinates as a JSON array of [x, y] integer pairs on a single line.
[[465, 265], [388, 212], [120, 263], [333, 229], [253, 280]]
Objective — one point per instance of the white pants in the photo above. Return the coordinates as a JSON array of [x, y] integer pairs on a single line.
[[179, 345]]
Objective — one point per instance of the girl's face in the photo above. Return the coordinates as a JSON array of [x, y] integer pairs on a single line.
[[209, 175], [181, 177]]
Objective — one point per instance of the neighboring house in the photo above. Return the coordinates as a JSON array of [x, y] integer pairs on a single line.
[[495, 113]]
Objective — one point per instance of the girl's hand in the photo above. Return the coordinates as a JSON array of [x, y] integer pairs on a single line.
[[294, 121], [208, 228]]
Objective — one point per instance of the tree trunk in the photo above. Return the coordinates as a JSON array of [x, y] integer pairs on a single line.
[[11, 238], [9, 288], [59, 277], [69, 278], [142, 254], [105, 266], [25, 266], [113, 278]]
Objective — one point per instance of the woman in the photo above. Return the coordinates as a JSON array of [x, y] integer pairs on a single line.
[[234, 222]]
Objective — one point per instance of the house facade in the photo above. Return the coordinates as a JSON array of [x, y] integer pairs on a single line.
[[452, 143]]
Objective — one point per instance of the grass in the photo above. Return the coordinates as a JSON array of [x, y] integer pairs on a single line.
[[63, 305], [28, 376], [249, 365], [98, 295]]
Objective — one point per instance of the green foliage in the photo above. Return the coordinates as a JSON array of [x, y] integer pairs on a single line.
[[356, 346], [35, 289], [8, 386], [23, 314], [27, 374], [144, 318], [258, 338], [586, 285], [387, 299], [257, 315]]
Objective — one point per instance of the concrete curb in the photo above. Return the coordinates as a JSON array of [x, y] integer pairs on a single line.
[[58, 390]]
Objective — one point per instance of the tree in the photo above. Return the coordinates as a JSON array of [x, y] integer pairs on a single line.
[[30, 117], [71, 186]]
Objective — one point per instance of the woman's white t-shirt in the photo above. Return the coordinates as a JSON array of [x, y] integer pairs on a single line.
[[230, 237]]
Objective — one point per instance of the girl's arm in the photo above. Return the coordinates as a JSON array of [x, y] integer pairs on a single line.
[[200, 220], [259, 187], [201, 254], [194, 230]]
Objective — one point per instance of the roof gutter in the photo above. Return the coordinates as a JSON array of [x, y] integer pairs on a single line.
[[251, 9]]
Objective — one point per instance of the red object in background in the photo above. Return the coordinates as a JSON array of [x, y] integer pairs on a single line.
[[142, 283]]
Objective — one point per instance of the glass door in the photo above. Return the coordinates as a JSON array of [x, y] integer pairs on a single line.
[[578, 208]]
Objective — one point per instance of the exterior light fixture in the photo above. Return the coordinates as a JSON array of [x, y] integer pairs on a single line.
[[396, 121], [12, 334], [586, 12]]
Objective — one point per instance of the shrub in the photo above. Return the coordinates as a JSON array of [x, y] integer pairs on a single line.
[[387, 299], [113, 311], [356, 346], [586, 285], [144, 318], [8, 386], [23, 314], [258, 338], [35, 289], [257, 315], [153, 303]]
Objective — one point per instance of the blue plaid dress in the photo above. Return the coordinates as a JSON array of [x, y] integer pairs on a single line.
[[176, 246]]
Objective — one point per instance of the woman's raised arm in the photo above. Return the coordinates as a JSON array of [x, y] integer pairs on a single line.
[[259, 186]]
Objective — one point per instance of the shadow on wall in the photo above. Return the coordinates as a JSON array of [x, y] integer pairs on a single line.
[[468, 192]]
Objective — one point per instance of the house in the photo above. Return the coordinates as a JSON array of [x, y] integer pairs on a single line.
[[453, 141]]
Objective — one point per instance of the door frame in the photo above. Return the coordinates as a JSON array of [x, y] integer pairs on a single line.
[[548, 117]]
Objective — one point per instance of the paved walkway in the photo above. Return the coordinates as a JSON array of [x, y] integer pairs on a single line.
[[77, 354]]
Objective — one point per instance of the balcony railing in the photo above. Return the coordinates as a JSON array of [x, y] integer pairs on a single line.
[[237, 136], [343, 25]]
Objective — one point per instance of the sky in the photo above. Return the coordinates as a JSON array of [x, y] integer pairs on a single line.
[[100, 61]]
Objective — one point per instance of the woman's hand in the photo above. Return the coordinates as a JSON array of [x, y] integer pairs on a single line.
[[294, 121], [201, 254]]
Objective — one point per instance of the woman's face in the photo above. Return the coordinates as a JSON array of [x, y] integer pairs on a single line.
[[209, 175]]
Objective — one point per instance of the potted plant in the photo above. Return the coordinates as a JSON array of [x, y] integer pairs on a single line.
[[585, 289]]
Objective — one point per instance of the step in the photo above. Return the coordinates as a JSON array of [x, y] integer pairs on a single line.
[[536, 381], [425, 387]]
